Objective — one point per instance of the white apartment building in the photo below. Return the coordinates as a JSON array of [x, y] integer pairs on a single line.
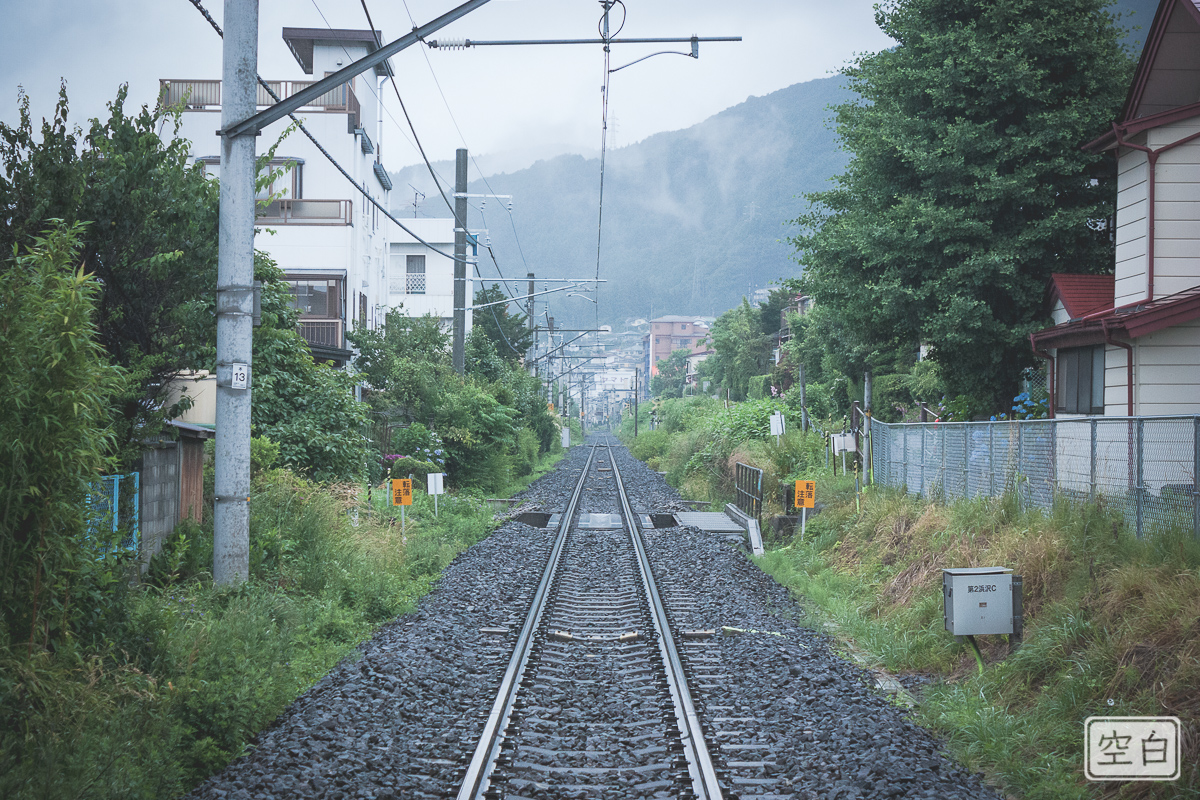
[[347, 263]]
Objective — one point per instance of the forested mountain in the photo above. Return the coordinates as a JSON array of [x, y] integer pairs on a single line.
[[692, 218]]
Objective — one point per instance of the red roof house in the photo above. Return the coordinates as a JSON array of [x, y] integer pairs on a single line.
[[1129, 343]]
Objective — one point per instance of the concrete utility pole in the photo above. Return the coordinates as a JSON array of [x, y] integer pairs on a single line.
[[460, 262], [240, 124], [235, 296]]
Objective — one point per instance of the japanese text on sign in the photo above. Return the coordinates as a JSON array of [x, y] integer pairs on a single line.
[[240, 376], [1132, 748], [806, 494], [401, 492]]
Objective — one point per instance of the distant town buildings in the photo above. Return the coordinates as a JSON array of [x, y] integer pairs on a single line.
[[671, 333]]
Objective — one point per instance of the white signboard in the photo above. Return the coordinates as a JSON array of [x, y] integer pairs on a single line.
[[240, 376], [434, 480], [566, 437], [843, 443], [777, 424]]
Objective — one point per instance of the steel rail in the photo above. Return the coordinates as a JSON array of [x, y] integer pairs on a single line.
[[704, 775], [483, 761]]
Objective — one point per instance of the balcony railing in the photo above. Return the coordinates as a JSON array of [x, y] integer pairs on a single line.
[[306, 212], [322, 333], [205, 95], [414, 283]]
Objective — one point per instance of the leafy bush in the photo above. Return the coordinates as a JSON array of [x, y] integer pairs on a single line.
[[650, 444], [193, 671], [418, 442], [54, 439], [403, 466], [526, 452], [264, 454], [758, 387]]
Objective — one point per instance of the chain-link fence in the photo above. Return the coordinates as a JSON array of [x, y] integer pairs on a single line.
[[112, 505], [1146, 466]]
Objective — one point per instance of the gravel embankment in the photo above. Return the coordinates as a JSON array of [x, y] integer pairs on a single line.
[[785, 715]]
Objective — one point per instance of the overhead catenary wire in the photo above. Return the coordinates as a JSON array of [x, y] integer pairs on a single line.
[[604, 90], [370, 88], [482, 176], [461, 223], [300, 125]]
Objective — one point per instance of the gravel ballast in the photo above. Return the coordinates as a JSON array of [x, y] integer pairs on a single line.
[[784, 715]]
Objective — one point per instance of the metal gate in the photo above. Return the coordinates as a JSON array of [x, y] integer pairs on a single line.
[[748, 489]]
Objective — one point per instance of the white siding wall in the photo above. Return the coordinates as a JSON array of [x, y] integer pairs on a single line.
[[1167, 371], [1131, 227], [438, 299], [1177, 209], [1166, 374], [1116, 395]]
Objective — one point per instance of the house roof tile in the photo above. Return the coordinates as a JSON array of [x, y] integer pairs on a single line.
[[1082, 294], [1133, 321]]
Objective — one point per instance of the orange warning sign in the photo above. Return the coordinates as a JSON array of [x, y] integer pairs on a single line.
[[806, 494], [401, 492]]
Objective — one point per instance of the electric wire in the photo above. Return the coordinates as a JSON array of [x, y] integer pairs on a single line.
[[300, 125], [433, 172], [461, 223], [378, 99], [602, 25], [482, 176]]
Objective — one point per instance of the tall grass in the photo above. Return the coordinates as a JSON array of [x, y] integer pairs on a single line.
[[194, 671], [1112, 623], [1108, 618]]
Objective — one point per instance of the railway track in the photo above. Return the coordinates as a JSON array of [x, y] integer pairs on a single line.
[[595, 656], [595, 700]]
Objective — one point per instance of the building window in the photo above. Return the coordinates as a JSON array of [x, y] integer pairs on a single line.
[[414, 279], [1079, 384], [317, 298], [286, 177], [362, 309]]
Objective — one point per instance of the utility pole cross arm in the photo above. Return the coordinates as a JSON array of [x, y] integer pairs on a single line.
[[255, 123]]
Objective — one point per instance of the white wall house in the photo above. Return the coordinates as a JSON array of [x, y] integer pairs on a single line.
[[420, 279], [347, 263], [1129, 343]]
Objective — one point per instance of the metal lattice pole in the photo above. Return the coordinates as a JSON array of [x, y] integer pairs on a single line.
[[991, 459], [1092, 479], [1196, 477], [943, 449], [1138, 488]]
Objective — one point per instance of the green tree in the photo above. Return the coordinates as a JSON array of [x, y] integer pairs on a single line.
[[55, 442], [151, 240], [482, 360], [307, 409], [406, 362], [672, 372], [967, 186], [741, 350], [509, 333]]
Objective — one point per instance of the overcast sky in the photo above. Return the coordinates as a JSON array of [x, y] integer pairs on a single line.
[[544, 99]]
